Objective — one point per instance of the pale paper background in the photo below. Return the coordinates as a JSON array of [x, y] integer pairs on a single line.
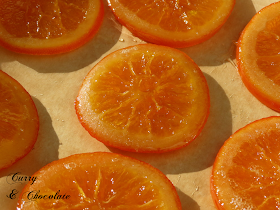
[[54, 81]]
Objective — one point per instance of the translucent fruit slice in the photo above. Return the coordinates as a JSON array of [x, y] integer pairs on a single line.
[[258, 56], [48, 27], [246, 171], [145, 98], [19, 121], [99, 181], [172, 22]]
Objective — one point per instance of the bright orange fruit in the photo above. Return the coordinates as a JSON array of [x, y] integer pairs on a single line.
[[173, 23], [99, 181], [19, 121], [48, 27], [246, 171], [144, 98], [258, 56]]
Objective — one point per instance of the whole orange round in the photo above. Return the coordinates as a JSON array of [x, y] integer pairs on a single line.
[[48, 27], [246, 170], [99, 181], [144, 98], [173, 23], [258, 56]]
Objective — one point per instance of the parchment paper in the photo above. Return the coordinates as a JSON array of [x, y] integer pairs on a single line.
[[54, 81]]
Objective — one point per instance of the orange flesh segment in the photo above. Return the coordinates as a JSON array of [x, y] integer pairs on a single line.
[[101, 181], [268, 49], [42, 19], [11, 114], [151, 96], [18, 121], [246, 171]]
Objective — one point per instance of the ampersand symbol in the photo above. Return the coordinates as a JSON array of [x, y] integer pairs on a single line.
[[13, 194]]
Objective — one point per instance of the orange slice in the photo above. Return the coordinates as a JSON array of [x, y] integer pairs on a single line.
[[258, 56], [99, 181], [173, 23], [48, 27], [246, 171], [19, 121], [144, 98]]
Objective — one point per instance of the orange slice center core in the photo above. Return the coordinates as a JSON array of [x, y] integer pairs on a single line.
[[147, 84], [42, 19]]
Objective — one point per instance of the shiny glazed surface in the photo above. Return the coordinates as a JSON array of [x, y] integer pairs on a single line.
[[268, 50], [42, 19], [48, 27], [19, 121], [174, 15], [258, 56], [246, 171], [100, 181], [145, 97], [173, 23]]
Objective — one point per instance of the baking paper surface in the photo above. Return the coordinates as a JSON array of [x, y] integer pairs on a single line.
[[54, 82]]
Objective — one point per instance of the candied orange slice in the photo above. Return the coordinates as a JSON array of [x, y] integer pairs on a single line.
[[48, 27], [19, 121], [246, 171], [173, 23], [144, 98], [258, 56], [99, 181]]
